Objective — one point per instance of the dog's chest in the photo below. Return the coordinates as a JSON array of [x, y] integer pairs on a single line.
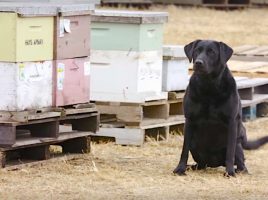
[[207, 110], [209, 134]]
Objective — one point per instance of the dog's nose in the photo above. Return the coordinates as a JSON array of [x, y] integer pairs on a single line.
[[199, 63]]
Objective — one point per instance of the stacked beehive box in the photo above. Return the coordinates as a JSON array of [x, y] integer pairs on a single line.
[[175, 68], [44, 63], [71, 54], [127, 56], [26, 54], [44, 55], [126, 71]]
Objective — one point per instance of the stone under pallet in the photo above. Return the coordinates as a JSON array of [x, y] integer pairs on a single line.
[[29, 149], [159, 129]]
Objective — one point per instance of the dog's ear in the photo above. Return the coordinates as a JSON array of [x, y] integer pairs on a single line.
[[189, 49], [225, 52]]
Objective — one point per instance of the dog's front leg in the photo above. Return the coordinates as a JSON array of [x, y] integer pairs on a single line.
[[231, 146], [181, 168]]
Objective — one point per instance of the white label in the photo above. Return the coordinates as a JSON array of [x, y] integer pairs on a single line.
[[61, 28], [60, 75], [67, 25], [87, 68], [21, 71], [32, 74]]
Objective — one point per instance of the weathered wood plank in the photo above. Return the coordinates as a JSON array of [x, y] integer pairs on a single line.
[[123, 113], [37, 141], [7, 135], [123, 136], [257, 98]]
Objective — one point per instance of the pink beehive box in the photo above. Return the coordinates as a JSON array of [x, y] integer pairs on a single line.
[[73, 37], [71, 81]]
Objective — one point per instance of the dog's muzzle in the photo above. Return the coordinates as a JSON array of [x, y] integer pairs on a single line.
[[199, 66]]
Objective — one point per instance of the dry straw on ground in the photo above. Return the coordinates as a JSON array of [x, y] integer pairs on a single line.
[[118, 172]]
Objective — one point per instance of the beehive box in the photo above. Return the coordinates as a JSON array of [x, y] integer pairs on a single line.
[[121, 76], [175, 68], [25, 38], [25, 85], [72, 31], [127, 30], [30, 35], [71, 81], [73, 36]]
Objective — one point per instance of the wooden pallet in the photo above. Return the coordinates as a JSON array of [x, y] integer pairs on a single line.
[[48, 127], [253, 110], [260, 2], [248, 88], [28, 149], [251, 53], [135, 3], [253, 94], [129, 123], [137, 135], [136, 113], [31, 138], [226, 4]]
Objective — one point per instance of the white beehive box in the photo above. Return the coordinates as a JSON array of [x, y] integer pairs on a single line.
[[25, 85], [122, 76], [175, 68]]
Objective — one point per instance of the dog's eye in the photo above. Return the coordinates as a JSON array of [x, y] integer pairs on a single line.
[[198, 51], [210, 52]]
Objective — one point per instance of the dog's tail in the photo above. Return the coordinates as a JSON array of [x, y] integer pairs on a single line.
[[251, 145]]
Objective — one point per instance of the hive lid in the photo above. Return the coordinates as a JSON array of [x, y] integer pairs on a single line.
[[132, 17], [174, 51], [45, 9]]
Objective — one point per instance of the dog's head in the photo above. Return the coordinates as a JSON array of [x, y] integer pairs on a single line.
[[209, 57]]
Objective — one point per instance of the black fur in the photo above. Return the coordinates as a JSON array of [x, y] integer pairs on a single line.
[[213, 131]]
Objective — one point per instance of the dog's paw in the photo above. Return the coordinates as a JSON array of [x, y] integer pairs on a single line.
[[180, 171], [242, 171], [229, 174]]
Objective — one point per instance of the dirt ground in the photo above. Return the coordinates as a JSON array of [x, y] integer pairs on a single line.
[[119, 172]]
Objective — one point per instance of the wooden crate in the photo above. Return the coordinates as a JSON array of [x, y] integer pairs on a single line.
[[21, 84], [121, 76], [127, 30]]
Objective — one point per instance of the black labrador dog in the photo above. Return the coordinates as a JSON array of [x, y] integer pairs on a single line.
[[213, 131]]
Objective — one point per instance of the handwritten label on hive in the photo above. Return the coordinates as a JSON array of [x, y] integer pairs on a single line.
[[34, 42]]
